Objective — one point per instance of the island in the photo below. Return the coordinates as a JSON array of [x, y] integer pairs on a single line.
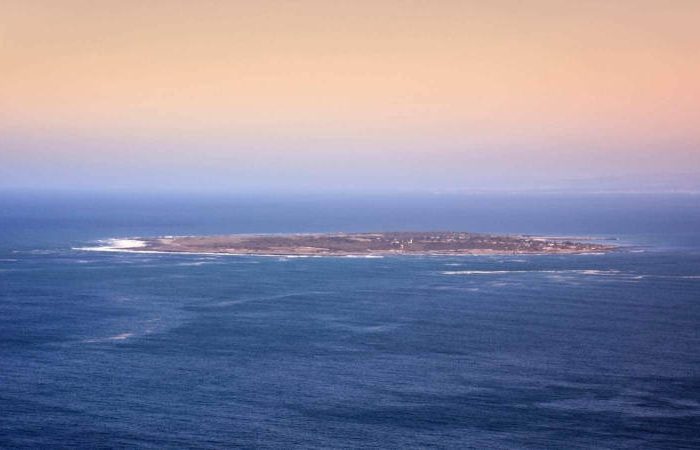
[[367, 244]]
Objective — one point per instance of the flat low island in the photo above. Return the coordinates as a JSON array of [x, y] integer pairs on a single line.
[[367, 244]]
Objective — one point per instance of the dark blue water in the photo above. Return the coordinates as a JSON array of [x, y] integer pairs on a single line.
[[161, 351]]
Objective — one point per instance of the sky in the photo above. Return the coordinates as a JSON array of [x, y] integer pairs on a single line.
[[273, 95]]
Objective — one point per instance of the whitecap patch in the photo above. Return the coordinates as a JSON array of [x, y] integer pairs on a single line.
[[115, 245], [117, 337], [120, 337]]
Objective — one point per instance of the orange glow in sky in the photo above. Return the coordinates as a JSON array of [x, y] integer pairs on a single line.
[[424, 94]]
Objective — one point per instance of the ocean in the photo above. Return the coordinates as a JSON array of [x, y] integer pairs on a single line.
[[114, 350]]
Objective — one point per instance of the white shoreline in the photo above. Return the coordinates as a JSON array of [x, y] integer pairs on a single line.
[[293, 255]]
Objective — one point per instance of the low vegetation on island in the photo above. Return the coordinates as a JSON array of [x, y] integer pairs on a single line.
[[385, 243]]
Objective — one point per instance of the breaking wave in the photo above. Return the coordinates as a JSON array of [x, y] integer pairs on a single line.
[[114, 245]]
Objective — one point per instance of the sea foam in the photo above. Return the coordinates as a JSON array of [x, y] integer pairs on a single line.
[[115, 245]]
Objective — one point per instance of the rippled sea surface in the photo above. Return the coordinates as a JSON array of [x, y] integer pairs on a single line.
[[121, 350]]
